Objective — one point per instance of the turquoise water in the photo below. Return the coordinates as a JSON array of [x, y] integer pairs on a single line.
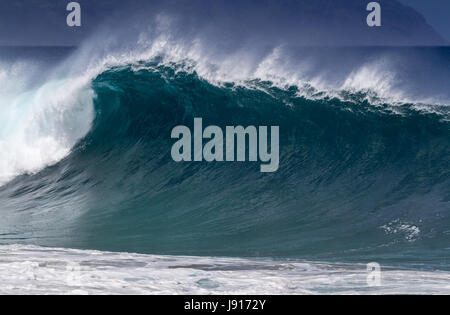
[[363, 177]]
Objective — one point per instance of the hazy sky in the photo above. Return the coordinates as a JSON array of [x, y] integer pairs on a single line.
[[42, 22], [437, 13]]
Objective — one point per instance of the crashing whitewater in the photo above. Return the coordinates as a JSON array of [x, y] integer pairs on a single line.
[[84, 163]]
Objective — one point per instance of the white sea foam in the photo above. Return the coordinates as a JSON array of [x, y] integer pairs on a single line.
[[40, 125], [377, 79], [410, 232], [38, 270]]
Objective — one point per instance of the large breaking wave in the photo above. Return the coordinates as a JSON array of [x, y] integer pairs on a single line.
[[364, 160]]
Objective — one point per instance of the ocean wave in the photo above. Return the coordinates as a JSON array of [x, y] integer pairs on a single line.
[[347, 167], [64, 104]]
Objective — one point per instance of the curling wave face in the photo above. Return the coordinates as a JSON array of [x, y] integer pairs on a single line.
[[363, 174]]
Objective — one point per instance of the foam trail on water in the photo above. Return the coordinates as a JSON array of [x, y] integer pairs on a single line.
[[39, 270]]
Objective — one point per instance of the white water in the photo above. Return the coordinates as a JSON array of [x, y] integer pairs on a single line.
[[377, 78], [39, 125], [38, 270]]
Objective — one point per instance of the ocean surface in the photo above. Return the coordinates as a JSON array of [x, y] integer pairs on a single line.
[[38, 270], [364, 176]]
